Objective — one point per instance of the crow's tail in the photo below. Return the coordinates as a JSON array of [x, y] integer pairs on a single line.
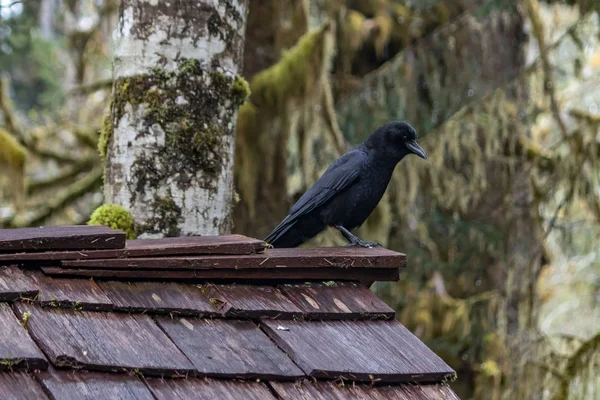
[[293, 233]]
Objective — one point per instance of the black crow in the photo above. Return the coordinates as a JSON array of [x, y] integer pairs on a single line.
[[350, 189]]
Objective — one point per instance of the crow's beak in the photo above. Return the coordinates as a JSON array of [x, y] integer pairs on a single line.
[[414, 147]]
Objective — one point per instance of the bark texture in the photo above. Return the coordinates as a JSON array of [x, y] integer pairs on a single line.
[[170, 136]]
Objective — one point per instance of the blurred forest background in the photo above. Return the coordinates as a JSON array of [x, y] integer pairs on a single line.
[[501, 223]]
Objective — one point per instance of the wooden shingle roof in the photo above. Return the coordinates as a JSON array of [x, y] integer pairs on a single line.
[[202, 318]]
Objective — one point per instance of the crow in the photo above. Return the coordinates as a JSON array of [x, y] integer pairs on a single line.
[[350, 189]]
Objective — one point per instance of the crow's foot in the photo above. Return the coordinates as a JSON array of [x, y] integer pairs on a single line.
[[362, 243], [355, 241]]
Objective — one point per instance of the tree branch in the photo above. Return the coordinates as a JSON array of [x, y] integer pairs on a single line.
[[89, 183], [549, 84]]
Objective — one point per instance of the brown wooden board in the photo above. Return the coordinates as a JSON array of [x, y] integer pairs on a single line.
[[61, 238], [337, 300], [271, 274], [208, 389], [78, 294], [17, 349], [331, 391], [231, 349], [358, 350], [245, 301], [158, 297], [327, 257], [85, 385], [20, 386], [104, 341], [192, 245], [14, 284]]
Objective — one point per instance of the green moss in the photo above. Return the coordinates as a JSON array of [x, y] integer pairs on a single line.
[[25, 318], [295, 73], [166, 218], [13, 157], [192, 105], [114, 216], [105, 135], [12, 154], [240, 90]]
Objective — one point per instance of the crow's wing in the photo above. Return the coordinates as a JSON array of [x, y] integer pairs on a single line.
[[336, 178]]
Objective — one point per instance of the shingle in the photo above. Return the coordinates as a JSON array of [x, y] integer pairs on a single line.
[[79, 294], [245, 301], [337, 301], [158, 297], [104, 341], [84, 385], [224, 348], [61, 238], [17, 349], [20, 386], [14, 284], [208, 389], [226, 244], [358, 350], [314, 258], [331, 391]]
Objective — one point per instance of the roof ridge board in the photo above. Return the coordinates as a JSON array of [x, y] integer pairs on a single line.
[[334, 257], [186, 245], [252, 276]]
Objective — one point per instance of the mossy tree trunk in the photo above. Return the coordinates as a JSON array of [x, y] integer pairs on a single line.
[[170, 137]]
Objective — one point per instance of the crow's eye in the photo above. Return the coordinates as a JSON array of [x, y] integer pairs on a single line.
[[405, 137]]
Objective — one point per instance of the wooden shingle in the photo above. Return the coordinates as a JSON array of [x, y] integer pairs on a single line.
[[17, 349], [337, 301], [246, 301], [331, 391], [84, 385], [232, 349], [208, 389], [226, 244], [157, 297], [20, 386], [77, 294], [14, 284], [104, 341], [358, 350], [79, 237]]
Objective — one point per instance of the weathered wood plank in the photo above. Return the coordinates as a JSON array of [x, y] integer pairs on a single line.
[[275, 275], [231, 349], [61, 238], [20, 386], [330, 391], [244, 301], [85, 385], [158, 297], [77, 294], [329, 257], [337, 300], [358, 350], [14, 284], [208, 389], [192, 245], [17, 349], [104, 341]]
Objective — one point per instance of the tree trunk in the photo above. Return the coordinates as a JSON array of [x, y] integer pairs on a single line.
[[170, 138]]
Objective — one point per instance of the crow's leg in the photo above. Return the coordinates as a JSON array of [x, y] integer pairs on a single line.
[[355, 240]]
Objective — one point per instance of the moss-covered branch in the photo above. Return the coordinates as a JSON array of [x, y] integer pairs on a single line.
[[533, 12], [92, 181]]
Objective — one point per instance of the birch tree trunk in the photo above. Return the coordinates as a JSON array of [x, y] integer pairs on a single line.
[[170, 137]]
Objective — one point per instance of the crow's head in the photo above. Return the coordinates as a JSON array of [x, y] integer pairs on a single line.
[[397, 138]]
